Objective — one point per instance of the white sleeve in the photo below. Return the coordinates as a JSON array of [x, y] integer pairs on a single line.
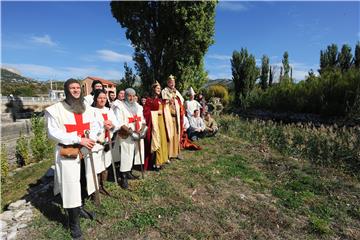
[[202, 124], [57, 134], [114, 121]]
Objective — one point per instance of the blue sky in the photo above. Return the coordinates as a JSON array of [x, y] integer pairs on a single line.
[[59, 40]]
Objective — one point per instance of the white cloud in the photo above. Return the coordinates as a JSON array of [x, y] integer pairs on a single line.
[[111, 56], [46, 40], [219, 57], [232, 6]]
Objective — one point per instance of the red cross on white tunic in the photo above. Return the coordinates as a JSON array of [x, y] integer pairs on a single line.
[[79, 126], [136, 119], [105, 116]]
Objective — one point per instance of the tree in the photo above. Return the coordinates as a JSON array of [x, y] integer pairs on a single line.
[[271, 77], [169, 38], [244, 72], [357, 56], [129, 78], [345, 57], [264, 72], [328, 58], [286, 66]]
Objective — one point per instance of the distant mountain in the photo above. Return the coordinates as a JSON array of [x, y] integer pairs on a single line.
[[222, 81], [9, 76]]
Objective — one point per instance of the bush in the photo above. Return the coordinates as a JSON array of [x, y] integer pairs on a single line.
[[22, 151], [218, 91], [326, 146], [4, 163], [40, 146], [332, 94]]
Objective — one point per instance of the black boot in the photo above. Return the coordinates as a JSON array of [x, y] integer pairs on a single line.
[[123, 180], [74, 223], [102, 178], [131, 176]]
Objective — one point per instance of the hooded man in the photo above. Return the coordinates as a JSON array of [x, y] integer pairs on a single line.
[[132, 131], [67, 122], [95, 85]]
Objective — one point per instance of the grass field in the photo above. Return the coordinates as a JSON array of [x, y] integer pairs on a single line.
[[232, 189]]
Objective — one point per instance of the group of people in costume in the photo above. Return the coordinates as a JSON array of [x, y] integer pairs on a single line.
[[99, 130]]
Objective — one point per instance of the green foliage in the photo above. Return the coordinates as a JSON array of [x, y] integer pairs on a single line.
[[319, 225], [169, 37], [328, 58], [327, 146], [345, 58], [4, 163], [128, 80], [264, 72], [219, 91], [22, 150], [286, 67], [357, 56], [40, 145], [331, 94], [244, 72]]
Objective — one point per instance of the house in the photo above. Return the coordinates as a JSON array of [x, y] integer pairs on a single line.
[[56, 94], [86, 84]]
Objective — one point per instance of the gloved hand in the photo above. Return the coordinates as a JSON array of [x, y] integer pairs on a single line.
[[143, 131]]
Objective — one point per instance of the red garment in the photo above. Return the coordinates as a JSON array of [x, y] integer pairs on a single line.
[[152, 104], [187, 144]]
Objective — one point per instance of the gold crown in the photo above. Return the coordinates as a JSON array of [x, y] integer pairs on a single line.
[[171, 77], [155, 84]]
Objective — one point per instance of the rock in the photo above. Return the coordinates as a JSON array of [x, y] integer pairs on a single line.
[[3, 224], [12, 235], [50, 172], [2, 235], [242, 196], [19, 214], [17, 204], [7, 215], [21, 226]]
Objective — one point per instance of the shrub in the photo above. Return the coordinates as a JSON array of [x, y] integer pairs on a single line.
[[327, 146], [22, 151], [219, 91], [4, 163], [40, 145]]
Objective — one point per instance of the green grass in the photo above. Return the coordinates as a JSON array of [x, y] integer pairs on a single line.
[[230, 190], [16, 186]]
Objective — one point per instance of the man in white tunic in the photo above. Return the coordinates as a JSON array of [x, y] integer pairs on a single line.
[[191, 105], [109, 125], [197, 126], [133, 128], [95, 85], [67, 122]]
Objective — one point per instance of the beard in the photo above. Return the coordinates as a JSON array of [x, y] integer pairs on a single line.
[[75, 105]]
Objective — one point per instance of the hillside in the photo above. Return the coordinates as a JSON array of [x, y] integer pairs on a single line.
[[13, 83]]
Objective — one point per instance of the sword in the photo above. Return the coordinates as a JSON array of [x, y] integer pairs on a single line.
[[141, 161], [97, 194], [112, 159]]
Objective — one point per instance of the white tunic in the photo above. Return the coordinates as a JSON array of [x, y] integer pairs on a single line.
[[103, 159], [191, 106], [116, 149], [67, 171], [89, 99], [197, 123], [128, 146]]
